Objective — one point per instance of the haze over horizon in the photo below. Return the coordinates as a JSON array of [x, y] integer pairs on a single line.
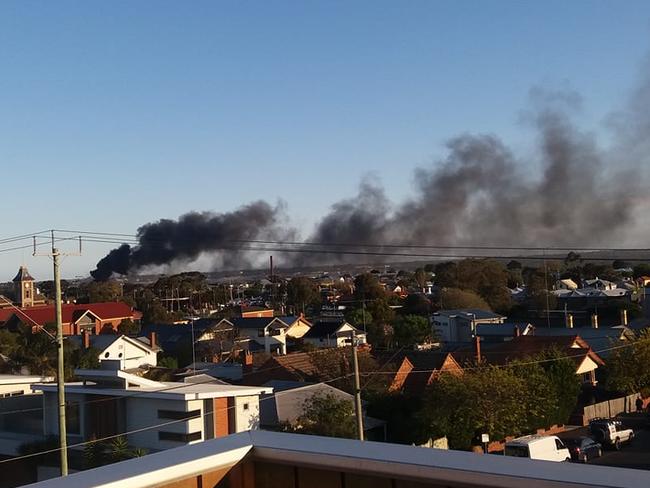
[[121, 114]]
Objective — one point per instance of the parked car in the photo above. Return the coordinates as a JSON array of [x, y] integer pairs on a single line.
[[610, 432], [583, 449], [544, 448]]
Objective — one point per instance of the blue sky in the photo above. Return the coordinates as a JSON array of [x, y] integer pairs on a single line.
[[113, 114]]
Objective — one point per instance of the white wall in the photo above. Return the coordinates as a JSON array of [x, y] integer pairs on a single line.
[[129, 354], [143, 412], [247, 418], [22, 388]]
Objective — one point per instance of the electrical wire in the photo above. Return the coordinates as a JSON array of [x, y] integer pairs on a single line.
[[156, 426]]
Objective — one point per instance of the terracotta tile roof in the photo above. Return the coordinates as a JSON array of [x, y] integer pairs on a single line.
[[70, 312], [527, 346]]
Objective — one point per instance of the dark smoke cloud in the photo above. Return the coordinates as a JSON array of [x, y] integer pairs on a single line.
[[186, 239], [482, 194], [570, 192]]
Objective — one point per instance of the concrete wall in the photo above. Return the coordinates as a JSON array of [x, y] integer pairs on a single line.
[[143, 412]]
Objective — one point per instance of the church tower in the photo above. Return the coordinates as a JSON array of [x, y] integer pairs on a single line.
[[24, 289]]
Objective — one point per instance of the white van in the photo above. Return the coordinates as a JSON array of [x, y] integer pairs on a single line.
[[544, 448]]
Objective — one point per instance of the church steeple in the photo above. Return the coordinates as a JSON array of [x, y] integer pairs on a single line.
[[24, 289]]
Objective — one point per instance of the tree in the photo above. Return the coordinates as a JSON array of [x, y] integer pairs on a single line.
[[302, 292], [411, 330], [113, 451], [326, 415], [104, 291], [561, 372], [359, 317], [485, 277], [628, 368], [367, 287], [454, 298], [128, 327], [484, 400], [573, 260], [641, 269], [420, 277], [620, 264], [416, 304]]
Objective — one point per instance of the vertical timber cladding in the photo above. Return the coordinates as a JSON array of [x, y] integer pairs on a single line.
[[224, 416]]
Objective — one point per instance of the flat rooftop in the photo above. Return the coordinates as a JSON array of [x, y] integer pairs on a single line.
[[263, 459]]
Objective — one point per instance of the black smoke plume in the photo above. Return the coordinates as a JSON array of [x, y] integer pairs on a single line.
[[568, 192], [186, 239]]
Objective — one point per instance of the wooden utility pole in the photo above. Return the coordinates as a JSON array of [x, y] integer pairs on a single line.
[[60, 375], [357, 387]]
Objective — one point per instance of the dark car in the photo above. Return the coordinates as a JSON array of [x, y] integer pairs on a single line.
[[583, 449]]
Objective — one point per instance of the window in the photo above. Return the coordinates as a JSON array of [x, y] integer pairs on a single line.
[[179, 437], [559, 445], [107, 354], [245, 406], [178, 414]]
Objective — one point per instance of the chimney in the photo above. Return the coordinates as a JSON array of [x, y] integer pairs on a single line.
[[594, 321], [477, 348], [153, 340], [623, 316], [248, 362], [85, 339], [569, 321], [517, 331]]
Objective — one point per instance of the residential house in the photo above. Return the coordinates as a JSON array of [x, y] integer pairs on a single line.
[[108, 402], [566, 284], [297, 366], [419, 369], [262, 459], [601, 340], [297, 325], [333, 332], [12, 385], [211, 338], [96, 318], [600, 284], [503, 332], [286, 405], [572, 346], [256, 312], [121, 351], [315, 366], [460, 325], [270, 333]]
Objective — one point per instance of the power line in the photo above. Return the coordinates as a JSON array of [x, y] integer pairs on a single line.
[[234, 248], [156, 426]]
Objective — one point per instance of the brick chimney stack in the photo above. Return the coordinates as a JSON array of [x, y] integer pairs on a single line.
[[153, 340], [85, 339], [477, 348]]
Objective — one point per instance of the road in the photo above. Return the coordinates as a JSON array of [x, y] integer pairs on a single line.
[[635, 454]]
